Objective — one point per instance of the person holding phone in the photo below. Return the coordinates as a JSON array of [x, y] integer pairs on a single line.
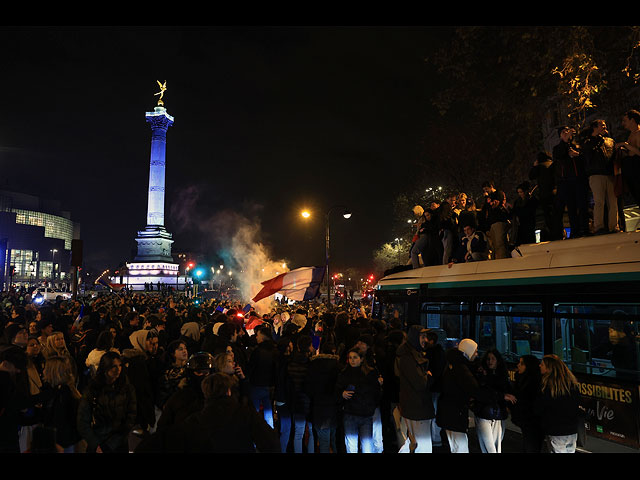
[[358, 389]]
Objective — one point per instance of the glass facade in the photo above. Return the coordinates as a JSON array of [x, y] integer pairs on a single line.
[[54, 225], [25, 262]]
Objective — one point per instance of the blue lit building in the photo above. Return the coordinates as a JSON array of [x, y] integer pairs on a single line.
[[35, 240]]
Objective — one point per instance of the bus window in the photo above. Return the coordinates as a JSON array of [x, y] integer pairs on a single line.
[[514, 329], [451, 317], [599, 339], [392, 312]]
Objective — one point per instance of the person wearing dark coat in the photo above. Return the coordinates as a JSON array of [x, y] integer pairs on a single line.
[[107, 410], [14, 395], [416, 404], [525, 388], [261, 372], [189, 397], [223, 426], [459, 386], [437, 363], [143, 370], [358, 389], [321, 380], [60, 400], [281, 395], [543, 172], [492, 375], [299, 399], [557, 405]]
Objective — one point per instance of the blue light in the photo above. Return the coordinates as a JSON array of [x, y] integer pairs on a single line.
[[199, 272]]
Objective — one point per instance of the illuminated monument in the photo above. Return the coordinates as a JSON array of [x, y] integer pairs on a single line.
[[153, 262]]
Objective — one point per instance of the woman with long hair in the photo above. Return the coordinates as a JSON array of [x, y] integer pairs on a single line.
[[104, 343], [557, 405], [60, 400], [525, 388], [359, 390], [107, 410], [490, 416]]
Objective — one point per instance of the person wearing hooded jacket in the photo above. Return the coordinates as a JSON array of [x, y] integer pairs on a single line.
[[459, 386], [416, 405], [143, 371]]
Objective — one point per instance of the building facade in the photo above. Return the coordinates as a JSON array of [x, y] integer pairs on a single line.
[[35, 240]]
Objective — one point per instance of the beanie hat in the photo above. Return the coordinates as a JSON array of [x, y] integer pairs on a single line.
[[468, 347]]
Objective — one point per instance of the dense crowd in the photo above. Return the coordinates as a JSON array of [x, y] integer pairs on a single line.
[[156, 372], [587, 175]]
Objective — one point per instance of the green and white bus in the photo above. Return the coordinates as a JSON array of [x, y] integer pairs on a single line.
[[576, 298]]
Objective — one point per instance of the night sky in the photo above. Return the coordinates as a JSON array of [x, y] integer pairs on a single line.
[[268, 120]]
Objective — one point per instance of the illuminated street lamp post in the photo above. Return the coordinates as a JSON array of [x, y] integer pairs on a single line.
[[53, 264], [346, 214]]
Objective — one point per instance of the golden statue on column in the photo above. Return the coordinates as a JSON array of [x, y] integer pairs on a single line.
[[163, 88]]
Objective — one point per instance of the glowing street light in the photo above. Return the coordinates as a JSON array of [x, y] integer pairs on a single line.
[[305, 214]]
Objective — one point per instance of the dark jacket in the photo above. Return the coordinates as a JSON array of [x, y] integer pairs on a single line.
[[437, 364], [367, 392], [185, 401], [222, 426], [321, 380], [145, 381], [545, 176], [261, 368], [60, 411], [415, 395], [459, 386], [496, 384], [598, 155], [558, 416], [525, 388], [106, 415], [297, 368], [567, 166]]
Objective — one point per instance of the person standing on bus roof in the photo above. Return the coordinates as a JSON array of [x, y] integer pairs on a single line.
[[598, 151], [498, 221]]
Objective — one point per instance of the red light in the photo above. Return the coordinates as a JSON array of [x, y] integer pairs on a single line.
[[191, 264]]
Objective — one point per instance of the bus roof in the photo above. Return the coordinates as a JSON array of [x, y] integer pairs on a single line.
[[593, 259]]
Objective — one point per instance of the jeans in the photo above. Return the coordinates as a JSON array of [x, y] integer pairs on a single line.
[[563, 443], [458, 442], [417, 248], [419, 438], [300, 424], [284, 419], [447, 243], [326, 440], [261, 396], [358, 430], [436, 439], [490, 435], [378, 446]]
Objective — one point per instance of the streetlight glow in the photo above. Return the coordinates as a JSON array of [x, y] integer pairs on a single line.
[[305, 214]]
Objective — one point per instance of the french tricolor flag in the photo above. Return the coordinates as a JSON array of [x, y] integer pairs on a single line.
[[299, 284]]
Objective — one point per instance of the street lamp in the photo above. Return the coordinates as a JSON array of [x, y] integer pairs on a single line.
[[53, 265], [346, 214]]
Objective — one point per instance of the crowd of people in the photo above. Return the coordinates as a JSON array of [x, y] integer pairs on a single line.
[[156, 372], [587, 175]]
